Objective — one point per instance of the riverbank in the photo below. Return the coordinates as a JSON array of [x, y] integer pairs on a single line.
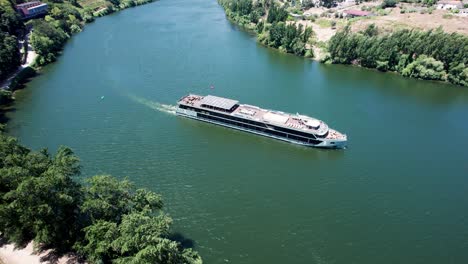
[[9, 254], [335, 37], [45, 48]]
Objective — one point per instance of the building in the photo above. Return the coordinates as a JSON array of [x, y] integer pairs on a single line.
[[32, 9], [346, 3], [449, 5], [356, 13]]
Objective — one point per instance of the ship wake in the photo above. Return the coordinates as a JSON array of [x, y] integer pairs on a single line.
[[168, 109]]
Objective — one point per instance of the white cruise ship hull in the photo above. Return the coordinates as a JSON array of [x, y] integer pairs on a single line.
[[324, 143]]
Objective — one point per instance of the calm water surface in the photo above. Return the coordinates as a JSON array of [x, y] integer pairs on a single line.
[[398, 194]]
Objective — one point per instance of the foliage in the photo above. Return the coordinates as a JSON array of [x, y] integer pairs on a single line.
[[290, 38], [10, 28], [105, 220], [428, 2], [272, 31], [433, 54], [21, 78], [277, 14], [328, 3], [389, 3], [47, 39], [307, 4], [425, 67], [5, 98]]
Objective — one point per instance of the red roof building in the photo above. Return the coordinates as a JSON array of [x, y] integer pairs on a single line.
[[32, 9]]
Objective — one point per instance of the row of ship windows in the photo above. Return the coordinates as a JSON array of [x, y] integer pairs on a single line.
[[260, 124], [276, 133]]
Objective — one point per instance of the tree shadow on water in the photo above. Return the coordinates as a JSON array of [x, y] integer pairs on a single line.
[[184, 241], [3, 114]]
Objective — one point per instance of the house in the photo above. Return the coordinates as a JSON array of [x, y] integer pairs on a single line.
[[32, 9], [346, 3], [463, 12], [449, 5], [356, 13]]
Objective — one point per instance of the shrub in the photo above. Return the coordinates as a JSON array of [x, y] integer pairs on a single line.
[[389, 3]]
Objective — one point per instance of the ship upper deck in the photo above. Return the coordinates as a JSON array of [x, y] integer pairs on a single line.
[[280, 119]]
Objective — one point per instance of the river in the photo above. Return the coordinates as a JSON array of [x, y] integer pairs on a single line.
[[397, 194]]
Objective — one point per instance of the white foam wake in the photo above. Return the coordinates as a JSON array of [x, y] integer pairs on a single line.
[[168, 109]]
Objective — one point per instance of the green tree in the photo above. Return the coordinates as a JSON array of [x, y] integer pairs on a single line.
[[389, 3], [277, 14], [127, 226], [425, 67], [11, 27], [38, 195], [106, 221]]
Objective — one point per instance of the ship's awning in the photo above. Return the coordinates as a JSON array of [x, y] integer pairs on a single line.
[[219, 102]]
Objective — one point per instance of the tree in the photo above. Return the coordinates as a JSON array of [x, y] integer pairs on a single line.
[[11, 27], [10, 58], [36, 207], [425, 67], [389, 3], [397, 50], [106, 220], [458, 74], [371, 30], [328, 3], [127, 226], [277, 14]]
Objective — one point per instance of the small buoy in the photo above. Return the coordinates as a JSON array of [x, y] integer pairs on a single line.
[[102, 97]]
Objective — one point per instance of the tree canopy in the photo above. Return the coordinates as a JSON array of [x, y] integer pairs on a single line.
[[268, 20], [11, 27], [433, 54], [104, 220]]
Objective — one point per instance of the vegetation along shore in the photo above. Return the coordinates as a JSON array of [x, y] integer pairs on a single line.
[[43, 35], [371, 34], [101, 220]]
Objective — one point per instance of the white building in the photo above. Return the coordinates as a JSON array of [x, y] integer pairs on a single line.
[[449, 5]]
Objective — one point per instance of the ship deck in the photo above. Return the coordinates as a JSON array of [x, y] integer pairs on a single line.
[[296, 122]]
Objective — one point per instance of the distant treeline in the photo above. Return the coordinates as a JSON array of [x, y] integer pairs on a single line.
[[103, 220], [271, 30], [430, 55], [11, 28]]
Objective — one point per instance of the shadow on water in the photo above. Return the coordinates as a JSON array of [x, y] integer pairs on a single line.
[[393, 84], [184, 241], [4, 113]]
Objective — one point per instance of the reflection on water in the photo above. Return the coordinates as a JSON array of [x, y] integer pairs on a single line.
[[392, 84]]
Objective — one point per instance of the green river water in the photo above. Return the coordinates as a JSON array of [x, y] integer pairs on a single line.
[[397, 194]]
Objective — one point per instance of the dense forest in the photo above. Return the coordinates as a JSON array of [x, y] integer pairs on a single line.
[[430, 55], [271, 27], [103, 220], [11, 28]]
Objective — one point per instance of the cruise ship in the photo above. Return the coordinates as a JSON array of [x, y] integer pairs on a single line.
[[293, 128]]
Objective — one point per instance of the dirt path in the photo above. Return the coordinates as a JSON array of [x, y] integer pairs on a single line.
[[10, 255], [31, 56]]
